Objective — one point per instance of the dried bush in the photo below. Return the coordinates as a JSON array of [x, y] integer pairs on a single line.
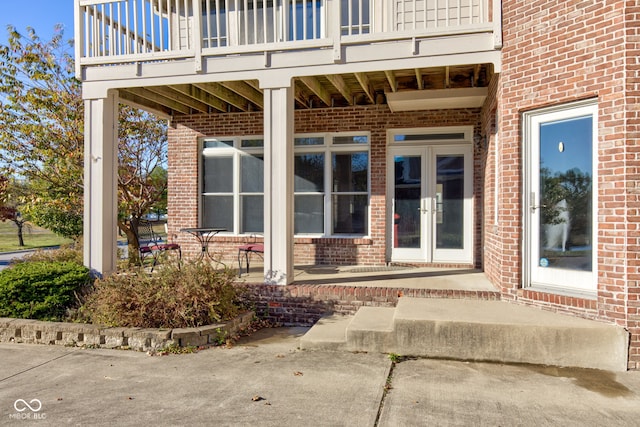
[[66, 253], [174, 296]]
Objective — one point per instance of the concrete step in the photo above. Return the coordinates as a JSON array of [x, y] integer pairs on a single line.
[[371, 330], [475, 330], [329, 333]]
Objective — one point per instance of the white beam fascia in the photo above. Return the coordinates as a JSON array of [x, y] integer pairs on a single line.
[[440, 99]]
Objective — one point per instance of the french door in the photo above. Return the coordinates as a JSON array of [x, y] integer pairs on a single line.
[[432, 207], [560, 226]]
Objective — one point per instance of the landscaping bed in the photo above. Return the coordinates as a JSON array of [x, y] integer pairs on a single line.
[[52, 299], [141, 339]]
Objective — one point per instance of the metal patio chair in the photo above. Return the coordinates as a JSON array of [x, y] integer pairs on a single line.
[[151, 244], [251, 246]]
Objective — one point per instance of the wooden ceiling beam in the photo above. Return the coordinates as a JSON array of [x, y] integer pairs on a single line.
[[447, 77], [200, 95], [180, 97], [316, 87], [254, 84], [338, 82], [159, 99], [247, 91], [219, 91], [135, 101], [365, 84], [476, 75], [300, 96], [419, 79], [391, 78]]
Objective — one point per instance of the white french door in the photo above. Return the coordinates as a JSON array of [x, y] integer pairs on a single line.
[[560, 230], [432, 203]]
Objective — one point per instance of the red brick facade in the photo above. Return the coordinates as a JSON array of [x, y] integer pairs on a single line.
[[555, 52], [184, 154]]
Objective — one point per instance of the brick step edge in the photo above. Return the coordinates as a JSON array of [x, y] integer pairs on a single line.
[[96, 336]]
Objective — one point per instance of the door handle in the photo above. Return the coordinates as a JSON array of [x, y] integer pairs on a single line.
[[532, 202]]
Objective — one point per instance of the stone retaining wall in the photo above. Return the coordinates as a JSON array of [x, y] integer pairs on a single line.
[[142, 339]]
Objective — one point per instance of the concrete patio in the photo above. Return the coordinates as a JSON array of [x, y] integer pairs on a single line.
[[392, 276]]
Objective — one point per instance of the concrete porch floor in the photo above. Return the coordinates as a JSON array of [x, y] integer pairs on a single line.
[[401, 277]]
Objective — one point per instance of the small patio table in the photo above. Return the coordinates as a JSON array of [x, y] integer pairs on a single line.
[[204, 236]]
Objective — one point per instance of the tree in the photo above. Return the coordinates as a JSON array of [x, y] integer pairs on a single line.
[[160, 206], [574, 187], [141, 182], [4, 185], [41, 138], [12, 196]]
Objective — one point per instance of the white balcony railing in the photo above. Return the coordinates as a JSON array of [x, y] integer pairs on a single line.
[[111, 31]]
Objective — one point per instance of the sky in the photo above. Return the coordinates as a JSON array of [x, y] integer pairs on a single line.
[[41, 15], [576, 137]]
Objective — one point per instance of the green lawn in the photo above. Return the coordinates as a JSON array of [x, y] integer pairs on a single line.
[[34, 237]]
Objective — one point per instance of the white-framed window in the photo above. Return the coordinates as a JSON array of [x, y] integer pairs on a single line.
[[232, 184], [331, 184]]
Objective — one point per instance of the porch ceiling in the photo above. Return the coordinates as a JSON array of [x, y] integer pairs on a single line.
[[337, 90]]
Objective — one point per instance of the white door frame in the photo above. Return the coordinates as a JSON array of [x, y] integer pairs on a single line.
[[423, 252], [429, 149], [536, 272]]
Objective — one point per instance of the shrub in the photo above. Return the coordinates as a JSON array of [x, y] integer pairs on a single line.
[[41, 290], [190, 295], [66, 253]]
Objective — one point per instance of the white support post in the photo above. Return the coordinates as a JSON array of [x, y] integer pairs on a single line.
[[197, 34], [278, 185], [101, 183], [335, 30], [497, 24]]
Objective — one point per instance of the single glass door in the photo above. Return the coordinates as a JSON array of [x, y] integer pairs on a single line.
[[561, 198]]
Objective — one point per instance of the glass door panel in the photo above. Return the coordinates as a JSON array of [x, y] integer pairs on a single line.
[[565, 194], [449, 202], [408, 201], [452, 201], [560, 206]]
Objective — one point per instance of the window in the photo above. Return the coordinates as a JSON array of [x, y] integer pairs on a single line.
[[233, 184], [331, 184]]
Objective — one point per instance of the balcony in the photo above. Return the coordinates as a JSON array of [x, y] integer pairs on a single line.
[[338, 52]]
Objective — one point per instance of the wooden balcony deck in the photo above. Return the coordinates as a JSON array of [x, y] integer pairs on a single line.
[[182, 57], [122, 31]]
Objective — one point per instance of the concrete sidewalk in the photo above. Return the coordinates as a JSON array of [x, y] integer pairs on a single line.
[[7, 257], [266, 381]]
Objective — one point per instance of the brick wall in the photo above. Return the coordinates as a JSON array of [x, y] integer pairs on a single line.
[[185, 133], [303, 304], [632, 182], [558, 51]]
